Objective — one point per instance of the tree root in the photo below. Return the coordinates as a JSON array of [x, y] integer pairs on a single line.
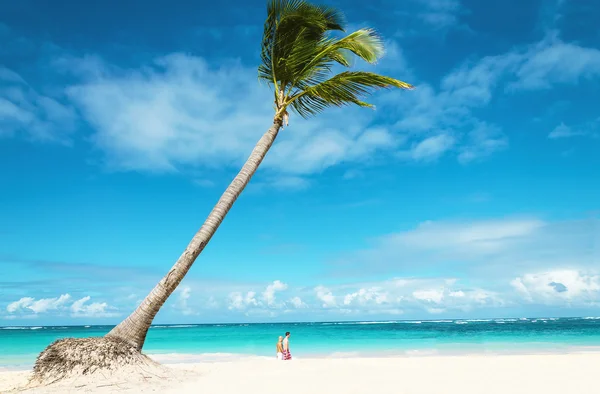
[[73, 357]]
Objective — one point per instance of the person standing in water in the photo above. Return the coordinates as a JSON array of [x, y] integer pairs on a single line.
[[286, 347], [280, 348]]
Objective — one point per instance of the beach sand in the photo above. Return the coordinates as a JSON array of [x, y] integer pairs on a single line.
[[472, 374]]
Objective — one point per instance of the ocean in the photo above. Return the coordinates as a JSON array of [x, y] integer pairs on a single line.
[[19, 346]]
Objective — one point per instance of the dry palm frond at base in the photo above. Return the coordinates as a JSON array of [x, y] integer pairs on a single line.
[[70, 358]]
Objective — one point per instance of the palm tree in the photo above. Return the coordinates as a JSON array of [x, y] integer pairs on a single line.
[[298, 54]]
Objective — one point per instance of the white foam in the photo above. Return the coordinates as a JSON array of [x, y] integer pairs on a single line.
[[185, 358], [176, 326], [352, 323], [461, 322]]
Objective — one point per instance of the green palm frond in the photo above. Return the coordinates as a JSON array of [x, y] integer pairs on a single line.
[[291, 29], [342, 89], [298, 55], [364, 43]]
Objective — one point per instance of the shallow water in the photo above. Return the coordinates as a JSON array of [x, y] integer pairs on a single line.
[[189, 343]]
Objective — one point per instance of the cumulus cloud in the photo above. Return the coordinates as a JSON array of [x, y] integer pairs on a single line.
[[297, 303], [181, 303], [432, 295], [78, 308], [20, 304], [247, 301], [325, 296], [269, 293], [240, 301], [559, 287], [81, 308], [179, 111], [373, 295], [38, 306], [396, 296]]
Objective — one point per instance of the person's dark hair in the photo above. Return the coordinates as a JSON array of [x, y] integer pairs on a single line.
[[287, 333]]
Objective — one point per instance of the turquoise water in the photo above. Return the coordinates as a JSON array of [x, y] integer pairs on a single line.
[[20, 345]]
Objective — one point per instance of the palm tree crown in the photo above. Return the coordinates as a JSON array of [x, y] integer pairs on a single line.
[[299, 52]]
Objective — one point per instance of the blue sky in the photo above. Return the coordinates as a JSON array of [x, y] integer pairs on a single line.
[[474, 195]]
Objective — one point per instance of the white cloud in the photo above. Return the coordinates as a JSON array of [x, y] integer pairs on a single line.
[[562, 287], [442, 120], [20, 304], [562, 131], [181, 112], [240, 301], [431, 295], [373, 295], [482, 141], [269, 293], [325, 296], [590, 129], [297, 303], [25, 111], [538, 66], [415, 295], [42, 305], [430, 148], [447, 298], [440, 14], [184, 294], [81, 308], [247, 300], [472, 237], [478, 247], [78, 308], [553, 61]]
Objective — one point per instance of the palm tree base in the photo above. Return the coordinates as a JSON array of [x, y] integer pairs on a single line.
[[73, 357]]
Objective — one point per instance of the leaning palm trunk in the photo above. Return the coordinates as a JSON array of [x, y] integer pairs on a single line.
[[135, 327], [297, 57], [122, 346]]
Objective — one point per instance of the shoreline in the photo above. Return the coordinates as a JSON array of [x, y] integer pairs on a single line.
[[182, 360]]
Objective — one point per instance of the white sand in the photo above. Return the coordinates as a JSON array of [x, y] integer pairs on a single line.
[[548, 374]]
